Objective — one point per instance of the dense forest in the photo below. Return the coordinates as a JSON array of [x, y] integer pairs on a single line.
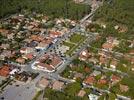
[[117, 11], [54, 8]]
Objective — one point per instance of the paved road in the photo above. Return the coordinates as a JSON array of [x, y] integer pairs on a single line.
[[90, 39]]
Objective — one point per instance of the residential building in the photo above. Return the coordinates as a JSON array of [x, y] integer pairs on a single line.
[[84, 55], [124, 88], [81, 93], [43, 83], [90, 80], [49, 62], [57, 85], [115, 79], [20, 60], [4, 70]]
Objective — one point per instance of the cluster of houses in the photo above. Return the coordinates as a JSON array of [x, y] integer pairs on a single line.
[[54, 84], [103, 80], [104, 56], [7, 70], [25, 76], [96, 77], [23, 36]]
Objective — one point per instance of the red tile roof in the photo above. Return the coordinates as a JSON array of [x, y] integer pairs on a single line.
[[55, 33], [3, 31], [43, 82], [48, 67], [108, 46], [115, 78], [55, 61], [29, 56], [102, 81], [87, 69], [57, 85], [4, 71], [20, 60], [23, 49], [89, 80], [37, 38]]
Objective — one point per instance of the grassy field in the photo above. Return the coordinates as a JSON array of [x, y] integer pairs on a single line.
[[76, 38], [70, 45], [70, 51]]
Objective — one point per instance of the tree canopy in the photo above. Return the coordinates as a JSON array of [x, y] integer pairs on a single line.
[[54, 8]]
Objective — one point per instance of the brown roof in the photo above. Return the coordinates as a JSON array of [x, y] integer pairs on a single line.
[[102, 81], [43, 82], [47, 40], [131, 52], [20, 60], [78, 75], [37, 38], [132, 60], [48, 67], [34, 24], [87, 69], [57, 85], [23, 49], [81, 93], [124, 88], [55, 33], [4, 71], [29, 56], [3, 31], [108, 46], [115, 78], [89, 80], [55, 61]]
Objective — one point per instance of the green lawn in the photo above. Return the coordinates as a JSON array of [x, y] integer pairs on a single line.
[[76, 38], [69, 52], [37, 95], [70, 45], [72, 89]]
